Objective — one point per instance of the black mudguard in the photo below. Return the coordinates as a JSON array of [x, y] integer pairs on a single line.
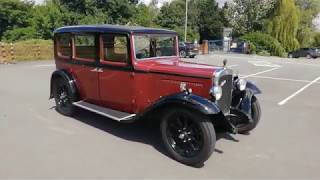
[[196, 103], [188, 100], [66, 76], [241, 101]]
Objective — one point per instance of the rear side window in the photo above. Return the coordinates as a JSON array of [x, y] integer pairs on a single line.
[[85, 47], [115, 48], [64, 47]]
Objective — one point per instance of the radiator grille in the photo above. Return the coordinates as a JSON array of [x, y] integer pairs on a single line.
[[226, 83]]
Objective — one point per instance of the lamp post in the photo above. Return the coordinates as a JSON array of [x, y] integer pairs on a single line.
[[186, 23]]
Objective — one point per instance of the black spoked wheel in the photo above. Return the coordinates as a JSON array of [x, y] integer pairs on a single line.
[[183, 54], [241, 122], [309, 56], [63, 97], [189, 137]]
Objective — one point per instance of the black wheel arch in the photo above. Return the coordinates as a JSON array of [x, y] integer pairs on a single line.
[[187, 100], [64, 74]]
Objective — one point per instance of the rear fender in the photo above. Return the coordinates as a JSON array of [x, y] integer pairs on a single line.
[[67, 77]]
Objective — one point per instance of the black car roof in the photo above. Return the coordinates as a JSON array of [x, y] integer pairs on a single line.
[[112, 29]]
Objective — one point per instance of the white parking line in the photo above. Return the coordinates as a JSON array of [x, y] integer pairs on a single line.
[[234, 65], [298, 92], [282, 79], [246, 76], [44, 65]]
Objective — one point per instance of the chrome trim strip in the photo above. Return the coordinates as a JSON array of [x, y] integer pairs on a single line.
[[103, 114]]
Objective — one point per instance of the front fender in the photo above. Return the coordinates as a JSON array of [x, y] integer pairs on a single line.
[[253, 88], [188, 100], [67, 77], [241, 103]]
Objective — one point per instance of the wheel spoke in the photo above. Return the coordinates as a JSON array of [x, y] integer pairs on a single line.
[[184, 135]]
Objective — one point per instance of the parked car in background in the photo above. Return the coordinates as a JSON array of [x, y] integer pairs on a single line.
[[188, 50], [133, 73], [305, 52]]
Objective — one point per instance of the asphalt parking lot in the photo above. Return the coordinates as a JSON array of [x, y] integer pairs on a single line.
[[37, 142]]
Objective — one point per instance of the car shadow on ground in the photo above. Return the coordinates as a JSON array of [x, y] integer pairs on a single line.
[[143, 131]]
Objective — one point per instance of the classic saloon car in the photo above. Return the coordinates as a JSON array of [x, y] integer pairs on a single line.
[[118, 72]]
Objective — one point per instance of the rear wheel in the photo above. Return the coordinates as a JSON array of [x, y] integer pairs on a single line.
[[63, 97], [188, 137], [290, 55]]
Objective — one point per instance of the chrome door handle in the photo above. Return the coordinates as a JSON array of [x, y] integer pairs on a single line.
[[94, 70], [100, 70]]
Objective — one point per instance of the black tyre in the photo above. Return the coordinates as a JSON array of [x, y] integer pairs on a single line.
[[192, 56], [244, 127], [183, 53], [309, 56], [189, 137], [63, 97], [290, 55]]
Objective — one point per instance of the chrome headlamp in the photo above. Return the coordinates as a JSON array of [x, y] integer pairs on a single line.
[[241, 84], [216, 91]]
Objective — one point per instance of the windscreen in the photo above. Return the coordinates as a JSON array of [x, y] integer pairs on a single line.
[[150, 46]]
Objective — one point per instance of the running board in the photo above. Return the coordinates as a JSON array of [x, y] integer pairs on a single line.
[[110, 113]]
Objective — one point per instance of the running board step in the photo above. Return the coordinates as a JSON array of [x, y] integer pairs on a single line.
[[110, 113]]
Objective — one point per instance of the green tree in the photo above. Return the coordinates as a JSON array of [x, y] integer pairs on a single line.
[[248, 15], [14, 14], [316, 41], [144, 15], [117, 11], [309, 9], [172, 16], [46, 18], [284, 24], [209, 20]]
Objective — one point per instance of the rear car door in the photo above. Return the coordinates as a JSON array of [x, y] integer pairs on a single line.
[[116, 77], [85, 57]]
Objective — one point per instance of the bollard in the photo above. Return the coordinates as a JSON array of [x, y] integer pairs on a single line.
[[3, 53], [12, 52], [38, 51]]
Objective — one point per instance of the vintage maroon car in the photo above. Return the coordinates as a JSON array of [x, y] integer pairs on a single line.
[[126, 73]]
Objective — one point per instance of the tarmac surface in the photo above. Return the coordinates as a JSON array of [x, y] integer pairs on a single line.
[[38, 142]]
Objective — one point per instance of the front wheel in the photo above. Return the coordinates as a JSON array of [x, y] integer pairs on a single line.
[[189, 137]]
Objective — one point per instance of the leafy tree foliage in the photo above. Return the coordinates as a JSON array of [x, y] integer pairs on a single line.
[[14, 14], [248, 15], [284, 24], [209, 20], [309, 9], [172, 16], [264, 42]]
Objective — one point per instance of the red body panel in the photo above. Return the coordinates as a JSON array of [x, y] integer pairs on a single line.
[[135, 89]]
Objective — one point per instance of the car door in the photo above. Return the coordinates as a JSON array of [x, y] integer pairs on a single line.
[[85, 57], [116, 78]]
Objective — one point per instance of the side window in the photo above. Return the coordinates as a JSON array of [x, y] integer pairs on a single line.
[[115, 48], [85, 47], [64, 48]]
